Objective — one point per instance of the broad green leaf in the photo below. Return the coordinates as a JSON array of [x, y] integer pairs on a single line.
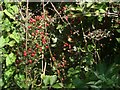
[[8, 73], [118, 39], [10, 59], [15, 36], [9, 14], [2, 42], [15, 8], [1, 15], [6, 25], [20, 80], [88, 14], [11, 43], [78, 83], [1, 82], [57, 85], [89, 4], [79, 9], [118, 30], [53, 79], [102, 10], [100, 18], [46, 80]]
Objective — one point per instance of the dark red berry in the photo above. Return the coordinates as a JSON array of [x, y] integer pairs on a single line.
[[47, 24], [40, 49], [38, 17], [30, 61], [37, 45], [25, 53], [47, 47], [33, 54], [37, 31], [33, 34], [29, 27], [39, 26], [17, 62]]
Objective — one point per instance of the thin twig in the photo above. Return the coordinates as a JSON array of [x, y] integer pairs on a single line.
[[57, 11]]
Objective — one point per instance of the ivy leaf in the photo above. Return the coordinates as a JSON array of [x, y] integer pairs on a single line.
[[46, 80], [15, 36], [53, 79], [15, 9], [10, 59], [118, 30], [9, 14], [1, 82], [8, 73], [1, 15], [2, 42], [118, 39], [11, 43], [57, 85], [20, 79]]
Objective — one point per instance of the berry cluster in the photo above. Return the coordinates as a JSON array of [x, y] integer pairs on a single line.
[[37, 41]]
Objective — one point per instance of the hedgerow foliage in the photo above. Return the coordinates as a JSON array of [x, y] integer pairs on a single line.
[[59, 45]]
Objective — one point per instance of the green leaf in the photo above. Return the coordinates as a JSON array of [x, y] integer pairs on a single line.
[[10, 59], [78, 83], [11, 43], [88, 14], [15, 8], [1, 15], [6, 25], [20, 80], [15, 36], [53, 79], [9, 14], [46, 80], [59, 26], [8, 73], [100, 18], [118, 30], [102, 10], [2, 42], [118, 39], [57, 85], [1, 82]]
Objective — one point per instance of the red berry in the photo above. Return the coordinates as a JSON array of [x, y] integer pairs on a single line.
[[39, 26], [47, 24], [33, 34], [33, 54], [25, 53], [42, 16], [40, 49], [42, 33], [66, 44], [38, 17], [37, 45], [32, 20], [44, 41], [30, 61], [47, 47], [29, 27], [37, 31]]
